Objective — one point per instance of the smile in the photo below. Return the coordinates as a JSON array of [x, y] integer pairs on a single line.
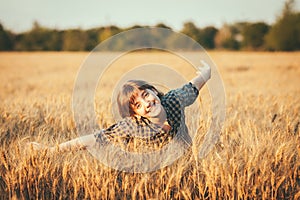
[[152, 104]]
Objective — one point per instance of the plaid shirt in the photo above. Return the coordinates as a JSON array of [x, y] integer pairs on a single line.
[[140, 134]]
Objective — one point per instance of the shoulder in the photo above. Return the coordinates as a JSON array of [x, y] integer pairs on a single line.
[[185, 95], [122, 125], [186, 88]]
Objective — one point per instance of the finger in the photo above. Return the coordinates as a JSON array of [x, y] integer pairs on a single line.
[[204, 63]]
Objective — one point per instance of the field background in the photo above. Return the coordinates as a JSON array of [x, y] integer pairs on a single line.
[[257, 156]]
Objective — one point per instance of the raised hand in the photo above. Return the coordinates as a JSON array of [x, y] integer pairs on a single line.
[[204, 71]]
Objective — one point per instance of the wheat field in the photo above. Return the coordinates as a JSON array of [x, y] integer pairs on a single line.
[[257, 157]]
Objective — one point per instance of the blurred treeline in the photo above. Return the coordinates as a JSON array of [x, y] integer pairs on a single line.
[[283, 35]]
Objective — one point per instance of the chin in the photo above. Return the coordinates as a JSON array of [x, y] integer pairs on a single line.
[[155, 113]]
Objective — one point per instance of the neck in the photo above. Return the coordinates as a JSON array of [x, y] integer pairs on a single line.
[[160, 119]]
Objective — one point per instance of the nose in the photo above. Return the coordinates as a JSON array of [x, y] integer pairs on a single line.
[[147, 103]]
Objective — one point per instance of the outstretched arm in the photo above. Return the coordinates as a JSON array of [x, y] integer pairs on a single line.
[[74, 144], [204, 74], [78, 143]]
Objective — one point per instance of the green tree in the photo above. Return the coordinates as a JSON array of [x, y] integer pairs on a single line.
[[108, 32], [285, 33], [54, 41], [207, 37], [228, 37], [92, 40], [254, 34], [161, 37], [191, 30], [231, 44], [110, 45], [161, 25], [39, 39], [75, 40], [6, 41], [33, 39]]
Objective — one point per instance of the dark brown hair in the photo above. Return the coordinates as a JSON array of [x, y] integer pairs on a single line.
[[127, 94]]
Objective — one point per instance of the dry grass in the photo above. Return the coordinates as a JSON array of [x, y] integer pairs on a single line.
[[257, 157]]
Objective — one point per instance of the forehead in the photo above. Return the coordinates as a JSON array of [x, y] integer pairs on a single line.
[[135, 95], [140, 94]]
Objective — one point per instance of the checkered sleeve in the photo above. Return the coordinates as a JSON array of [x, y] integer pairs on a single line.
[[187, 94], [117, 133], [132, 135]]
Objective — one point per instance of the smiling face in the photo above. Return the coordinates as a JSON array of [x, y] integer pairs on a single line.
[[147, 104], [133, 98]]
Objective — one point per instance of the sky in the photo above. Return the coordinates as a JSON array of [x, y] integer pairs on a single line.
[[19, 15]]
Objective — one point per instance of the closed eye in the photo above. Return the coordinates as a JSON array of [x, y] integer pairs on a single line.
[[137, 105], [146, 94]]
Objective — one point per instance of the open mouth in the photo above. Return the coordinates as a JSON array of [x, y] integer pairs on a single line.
[[152, 104]]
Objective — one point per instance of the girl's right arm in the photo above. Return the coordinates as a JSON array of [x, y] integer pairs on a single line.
[[118, 130], [82, 142]]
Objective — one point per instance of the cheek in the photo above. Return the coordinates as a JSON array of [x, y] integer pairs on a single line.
[[133, 111], [154, 97], [138, 111], [157, 99]]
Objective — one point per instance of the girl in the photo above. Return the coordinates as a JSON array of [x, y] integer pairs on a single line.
[[150, 119]]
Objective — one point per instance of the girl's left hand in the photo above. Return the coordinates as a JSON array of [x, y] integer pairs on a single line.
[[204, 71]]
